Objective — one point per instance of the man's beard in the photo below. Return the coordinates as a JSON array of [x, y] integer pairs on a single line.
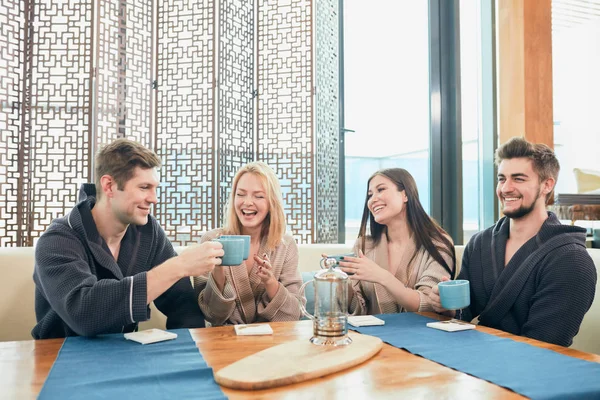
[[524, 209], [520, 212]]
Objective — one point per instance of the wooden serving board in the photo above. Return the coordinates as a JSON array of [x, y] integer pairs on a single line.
[[295, 362]]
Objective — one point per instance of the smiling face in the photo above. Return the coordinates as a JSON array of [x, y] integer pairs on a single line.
[[385, 202], [132, 203], [519, 189], [251, 203]]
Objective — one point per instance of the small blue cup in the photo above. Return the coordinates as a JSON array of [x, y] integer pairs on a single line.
[[234, 250], [455, 295], [246, 243]]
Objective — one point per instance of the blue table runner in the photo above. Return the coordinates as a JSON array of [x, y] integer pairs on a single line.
[[528, 370], [111, 367]]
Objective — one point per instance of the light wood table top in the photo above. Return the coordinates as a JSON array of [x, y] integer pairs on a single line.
[[393, 373]]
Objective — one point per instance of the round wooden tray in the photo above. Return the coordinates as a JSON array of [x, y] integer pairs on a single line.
[[295, 362]]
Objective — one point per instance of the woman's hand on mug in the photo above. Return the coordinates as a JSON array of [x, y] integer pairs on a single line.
[[363, 268], [435, 301]]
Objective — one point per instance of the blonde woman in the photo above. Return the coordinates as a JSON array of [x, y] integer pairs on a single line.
[[264, 287]]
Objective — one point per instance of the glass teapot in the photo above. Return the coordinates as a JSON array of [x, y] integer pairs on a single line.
[[331, 305]]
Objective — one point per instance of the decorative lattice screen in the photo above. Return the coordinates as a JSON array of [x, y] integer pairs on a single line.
[[50, 52], [209, 85], [12, 16], [185, 115], [285, 106], [235, 133], [123, 71], [327, 122]]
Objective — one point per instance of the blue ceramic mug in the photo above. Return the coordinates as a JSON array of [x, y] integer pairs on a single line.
[[455, 295], [246, 243], [234, 250]]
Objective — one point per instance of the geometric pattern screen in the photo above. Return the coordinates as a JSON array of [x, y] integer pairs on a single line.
[[12, 59], [45, 92], [327, 122], [285, 107], [123, 71], [235, 86], [185, 118], [208, 85], [56, 136]]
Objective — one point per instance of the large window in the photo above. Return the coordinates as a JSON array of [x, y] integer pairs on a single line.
[[470, 67], [386, 82], [477, 115], [575, 66], [418, 94]]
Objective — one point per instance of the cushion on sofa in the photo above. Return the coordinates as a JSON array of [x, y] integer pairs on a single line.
[[17, 313], [588, 339], [587, 180]]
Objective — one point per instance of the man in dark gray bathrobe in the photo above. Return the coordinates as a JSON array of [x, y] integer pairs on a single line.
[[529, 274], [98, 268]]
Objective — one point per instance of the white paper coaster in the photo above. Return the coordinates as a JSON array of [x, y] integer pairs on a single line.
[[253, 329], [364, 320], [451, 326], [150, 336]]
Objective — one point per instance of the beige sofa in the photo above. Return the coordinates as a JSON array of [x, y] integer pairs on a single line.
[[17, 315]]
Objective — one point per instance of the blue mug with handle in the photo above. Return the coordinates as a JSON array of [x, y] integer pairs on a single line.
[[246, 239], [455, 295], [234, 250]]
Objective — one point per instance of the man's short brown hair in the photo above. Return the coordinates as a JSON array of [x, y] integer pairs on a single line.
[[545, 163], [119, 160]]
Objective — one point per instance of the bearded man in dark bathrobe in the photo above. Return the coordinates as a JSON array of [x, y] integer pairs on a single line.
[[529, 274]]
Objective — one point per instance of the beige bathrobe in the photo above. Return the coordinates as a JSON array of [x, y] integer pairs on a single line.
[[372, 298], [244, 298]]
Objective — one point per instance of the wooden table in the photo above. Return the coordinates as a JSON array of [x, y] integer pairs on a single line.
[[393, 373]]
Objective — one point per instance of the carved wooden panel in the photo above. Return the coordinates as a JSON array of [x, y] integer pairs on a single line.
[[208, 85], [235, 132], [123, 68], [285, 106], [55, 144], [185, 118], [327, 122], [12, 59]]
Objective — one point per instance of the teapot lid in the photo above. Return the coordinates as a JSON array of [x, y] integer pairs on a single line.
[[331, 274]]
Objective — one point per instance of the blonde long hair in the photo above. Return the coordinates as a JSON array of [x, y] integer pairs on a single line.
[[273, 226]]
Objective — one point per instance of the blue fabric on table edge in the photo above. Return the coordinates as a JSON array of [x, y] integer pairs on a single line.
[[111, 367], [523, 368]]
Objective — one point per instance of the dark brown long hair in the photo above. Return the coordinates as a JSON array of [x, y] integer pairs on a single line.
[[424, 230]]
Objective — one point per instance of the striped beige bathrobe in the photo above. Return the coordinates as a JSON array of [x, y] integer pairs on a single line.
[[372, 298], [244, 299]]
